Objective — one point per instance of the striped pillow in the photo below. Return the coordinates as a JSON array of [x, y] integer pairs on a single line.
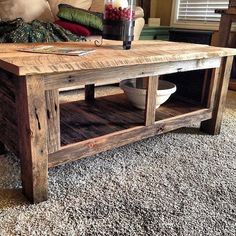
[[81, 16]]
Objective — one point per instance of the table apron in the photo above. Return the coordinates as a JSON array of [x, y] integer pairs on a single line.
[[117, 74]]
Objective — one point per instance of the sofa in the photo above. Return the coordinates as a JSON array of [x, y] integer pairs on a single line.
[[47, 10]]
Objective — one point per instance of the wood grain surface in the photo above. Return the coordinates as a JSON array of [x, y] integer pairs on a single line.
[[90, 128], [32, 129], [85, 120], [8, 115], [148, 52], [213, 126], [53, 120], [150, 108], [29, 101]]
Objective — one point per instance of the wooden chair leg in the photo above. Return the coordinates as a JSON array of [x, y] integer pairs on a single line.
[[150, 111], [53, 120], [213, 125], [32, 128], [90, 92]]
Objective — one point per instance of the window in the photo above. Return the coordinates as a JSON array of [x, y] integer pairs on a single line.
[[197, 13]]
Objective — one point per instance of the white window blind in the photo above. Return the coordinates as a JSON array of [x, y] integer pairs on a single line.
[[200, 10]]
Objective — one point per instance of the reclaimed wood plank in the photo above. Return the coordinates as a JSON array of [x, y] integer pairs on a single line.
[[148, 52], [81, 121], [151, 58], [32, 125], [53, 120], [210, 87], [213, 125], [105, 76], [141, 83], [91, 147], [8, 120], [151, 94]]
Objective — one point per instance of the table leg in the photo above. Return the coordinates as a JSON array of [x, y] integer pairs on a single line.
[[213, 125], [53, 120], [32, 127], [150, 111], [89, 92], [210, 85], [141, 83]]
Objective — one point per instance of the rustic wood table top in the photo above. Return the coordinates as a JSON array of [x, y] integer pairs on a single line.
[[109, 55]]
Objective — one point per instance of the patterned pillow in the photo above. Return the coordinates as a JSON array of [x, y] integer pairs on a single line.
[[81, 16]]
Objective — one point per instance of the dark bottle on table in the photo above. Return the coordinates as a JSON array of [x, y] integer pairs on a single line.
[[118, 23]]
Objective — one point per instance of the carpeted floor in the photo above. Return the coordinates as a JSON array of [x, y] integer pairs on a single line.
[[181, 183]]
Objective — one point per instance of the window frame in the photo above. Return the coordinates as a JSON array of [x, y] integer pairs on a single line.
[[201, 25]]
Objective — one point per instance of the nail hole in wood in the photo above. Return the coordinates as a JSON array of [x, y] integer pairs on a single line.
[[48, 114], [37, 117]]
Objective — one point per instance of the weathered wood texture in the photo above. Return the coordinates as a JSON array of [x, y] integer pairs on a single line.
[[32, 127], [8, 118], [210, 86], [91, 147], [150, 108], [53, 120], [105, 76], [142, 83], [112, 122], [148, 52], [37, 113], [213, 125], [81, 121]]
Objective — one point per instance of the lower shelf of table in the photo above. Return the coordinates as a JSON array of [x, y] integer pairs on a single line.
[[82, 120], [110, 122]]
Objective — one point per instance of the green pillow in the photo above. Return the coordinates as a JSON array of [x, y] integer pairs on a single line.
[[81, 16]]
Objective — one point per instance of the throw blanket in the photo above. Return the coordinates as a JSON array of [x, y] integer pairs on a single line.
[[18, 31]]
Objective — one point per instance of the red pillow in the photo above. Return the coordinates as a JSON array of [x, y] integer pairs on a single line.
[[74, 28]]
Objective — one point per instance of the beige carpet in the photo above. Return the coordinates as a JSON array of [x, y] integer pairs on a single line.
[[181, 183]]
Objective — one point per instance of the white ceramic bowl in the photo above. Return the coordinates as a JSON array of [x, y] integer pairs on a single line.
[[137, 96]]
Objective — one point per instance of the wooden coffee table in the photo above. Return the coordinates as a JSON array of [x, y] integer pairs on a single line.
[[44, 133]]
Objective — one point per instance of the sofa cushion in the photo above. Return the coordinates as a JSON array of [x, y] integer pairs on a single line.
[[97, 6], [83, 4], [81, 16], [74, 28], [26, 9]]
